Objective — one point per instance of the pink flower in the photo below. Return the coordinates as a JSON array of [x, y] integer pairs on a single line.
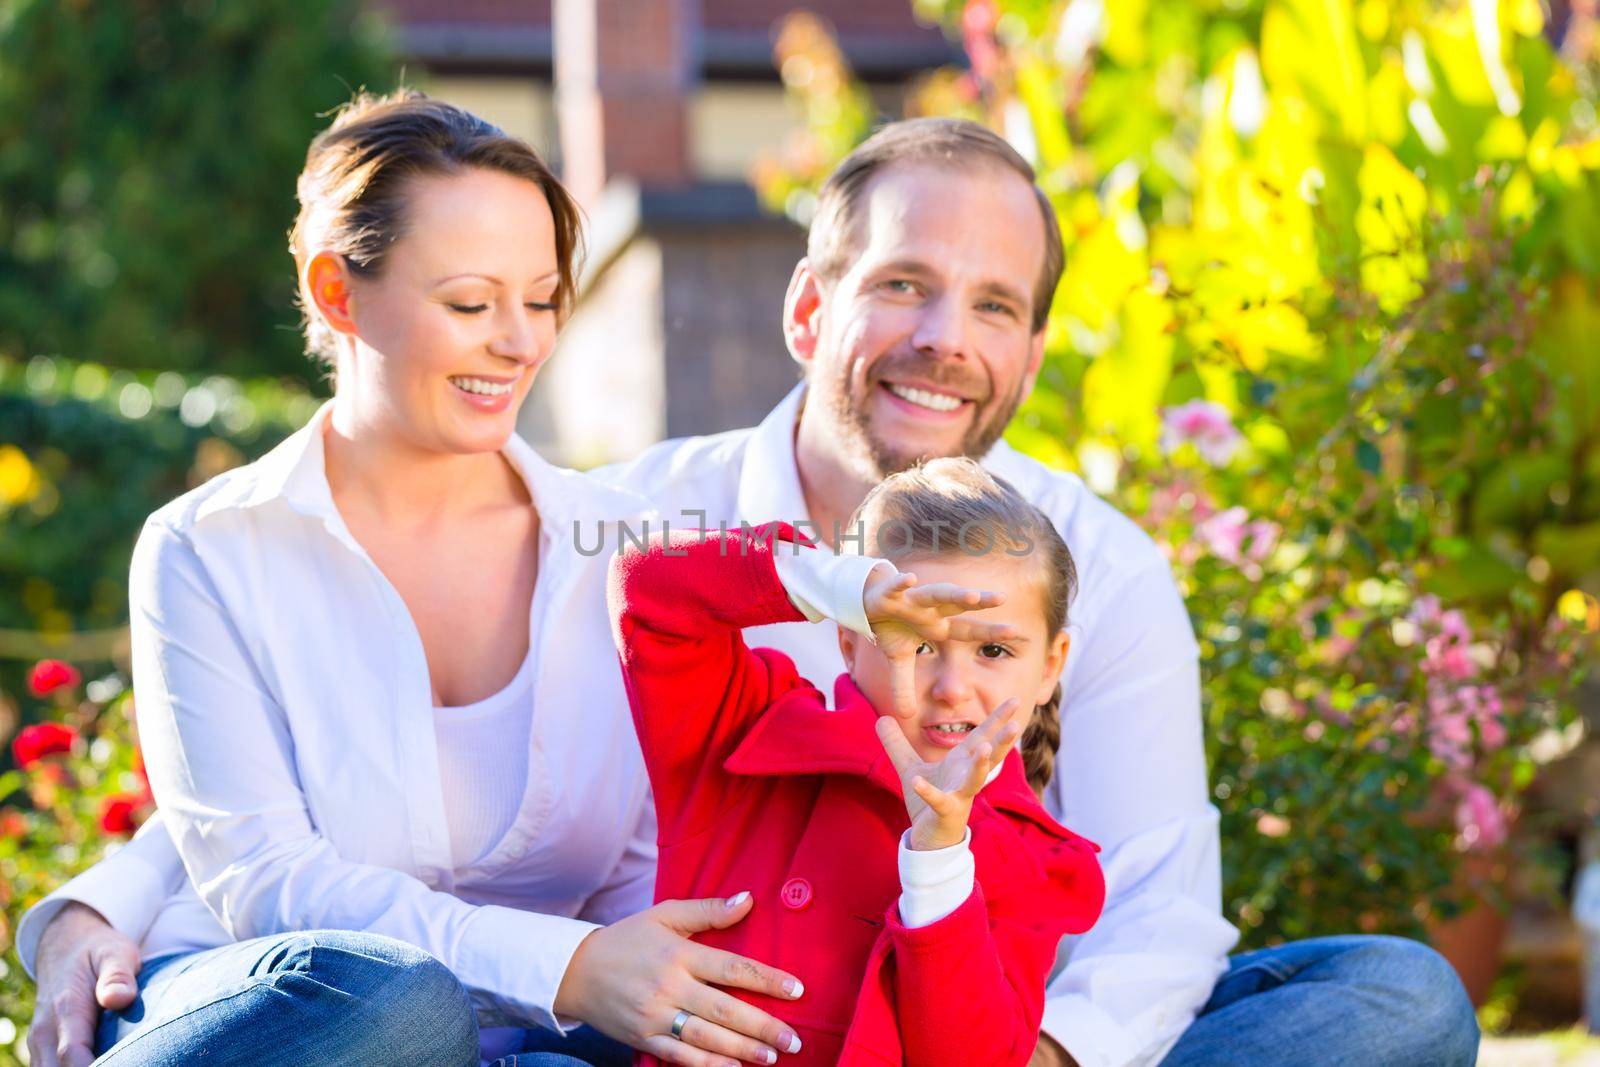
[[977, 34], [1425, 610], [1449, 659], [1204, 424], [1479, 819], [1226, 534]]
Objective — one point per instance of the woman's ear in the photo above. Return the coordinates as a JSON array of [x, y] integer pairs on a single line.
[[327, 282], [1055, 659], [802, 307]]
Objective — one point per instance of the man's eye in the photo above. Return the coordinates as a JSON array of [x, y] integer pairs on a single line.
[[469, 309], [994, 307], [992, 651], [898, 285]]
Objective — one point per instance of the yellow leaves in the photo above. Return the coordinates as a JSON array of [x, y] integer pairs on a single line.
[[1309, 48], [1040, 95], [1123, 387], [1254, 332], [1126, 35], [1389, 221], [20, 482], [1503, 139]]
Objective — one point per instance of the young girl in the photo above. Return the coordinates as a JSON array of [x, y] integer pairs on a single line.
[[901, 864]]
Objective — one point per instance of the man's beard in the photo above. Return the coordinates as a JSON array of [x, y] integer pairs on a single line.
[[879, 457]]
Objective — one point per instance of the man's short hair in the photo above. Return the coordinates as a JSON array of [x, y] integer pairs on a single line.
[[955, 143]]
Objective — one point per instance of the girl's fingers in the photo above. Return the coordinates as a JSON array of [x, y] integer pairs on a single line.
[[931, 795], [949, 599], [903, 685], [977, 630], [990, 728], [894, 742]]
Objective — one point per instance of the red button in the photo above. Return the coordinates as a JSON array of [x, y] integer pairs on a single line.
[[795, 894]]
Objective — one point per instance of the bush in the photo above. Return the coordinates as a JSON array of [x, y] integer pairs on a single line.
[[148, 153], [1326, 330]]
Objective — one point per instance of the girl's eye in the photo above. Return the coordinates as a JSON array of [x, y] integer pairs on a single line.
[[541, 305], [994, 651], [469, 309], [924, 647], [898, 285]]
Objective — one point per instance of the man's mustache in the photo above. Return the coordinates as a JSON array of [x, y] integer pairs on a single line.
[[942, 373]]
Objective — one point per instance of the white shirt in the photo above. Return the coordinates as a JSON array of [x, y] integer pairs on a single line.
[[1130, 774], [483, 764], [286, 715]]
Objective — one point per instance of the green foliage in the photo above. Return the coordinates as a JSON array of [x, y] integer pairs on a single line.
[[1327, 330], [148, 152], [85, 455]]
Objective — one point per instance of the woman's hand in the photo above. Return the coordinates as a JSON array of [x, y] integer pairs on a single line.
[[939, 795], [904, 616], [630, 980]]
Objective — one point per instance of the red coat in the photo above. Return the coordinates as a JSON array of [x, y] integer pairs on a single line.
[[759, 786]]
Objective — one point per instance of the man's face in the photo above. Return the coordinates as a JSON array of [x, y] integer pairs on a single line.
[[924, 346]]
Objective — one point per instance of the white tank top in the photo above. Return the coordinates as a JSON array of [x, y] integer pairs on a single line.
[[483, 762]]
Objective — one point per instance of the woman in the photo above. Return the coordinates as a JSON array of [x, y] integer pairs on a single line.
[[336, 650]]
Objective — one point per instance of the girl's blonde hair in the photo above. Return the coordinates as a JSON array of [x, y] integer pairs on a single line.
[[354, 187], [949, 507]]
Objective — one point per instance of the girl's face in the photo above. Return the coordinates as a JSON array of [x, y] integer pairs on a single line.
[[959, 684], [449, 334]]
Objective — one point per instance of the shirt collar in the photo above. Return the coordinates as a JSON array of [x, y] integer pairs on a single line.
[[769, 479], [799, 735], [295, 473]]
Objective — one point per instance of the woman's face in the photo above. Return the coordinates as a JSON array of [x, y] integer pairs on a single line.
[[449, 334]]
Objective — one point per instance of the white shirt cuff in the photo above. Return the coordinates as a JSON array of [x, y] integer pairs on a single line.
[[485, 953], [823, 584], [124, 888], [1087, 1032], [934, 882]]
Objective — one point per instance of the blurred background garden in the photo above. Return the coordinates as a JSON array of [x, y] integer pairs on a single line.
[[1329, 329]]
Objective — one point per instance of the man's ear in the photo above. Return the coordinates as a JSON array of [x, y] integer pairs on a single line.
[[327, 281], [847, 647], [1054, 660], [802, 310], [1035, 361]]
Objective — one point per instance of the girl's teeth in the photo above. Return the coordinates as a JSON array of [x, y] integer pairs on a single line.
[[923, 398], [483, 388], [955, 728]]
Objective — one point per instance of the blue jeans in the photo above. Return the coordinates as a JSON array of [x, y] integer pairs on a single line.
[[313, 999], [1334, 1000], [582, 1047]]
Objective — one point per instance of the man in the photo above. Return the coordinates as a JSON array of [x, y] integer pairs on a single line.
[[918, 316]]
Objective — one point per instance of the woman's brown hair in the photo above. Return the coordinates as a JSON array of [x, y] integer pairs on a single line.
[[947, 507], [354, 186]]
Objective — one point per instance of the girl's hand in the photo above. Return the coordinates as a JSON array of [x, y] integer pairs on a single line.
[[939, 795], [905, 616], [630, 980]]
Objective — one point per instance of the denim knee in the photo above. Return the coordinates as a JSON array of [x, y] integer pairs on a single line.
[[1442, 1028], [410, 1003]]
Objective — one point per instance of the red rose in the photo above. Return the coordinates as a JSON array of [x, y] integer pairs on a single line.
[[12, 824], [42, 739], [48, 675], [116, 813]]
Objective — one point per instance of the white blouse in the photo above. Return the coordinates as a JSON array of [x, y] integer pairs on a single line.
[[288, 723], [483, 764]]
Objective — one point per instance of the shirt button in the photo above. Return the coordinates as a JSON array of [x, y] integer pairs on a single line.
[[795, 894]]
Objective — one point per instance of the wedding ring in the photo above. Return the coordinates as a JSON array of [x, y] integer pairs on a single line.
[[679, 1021]]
